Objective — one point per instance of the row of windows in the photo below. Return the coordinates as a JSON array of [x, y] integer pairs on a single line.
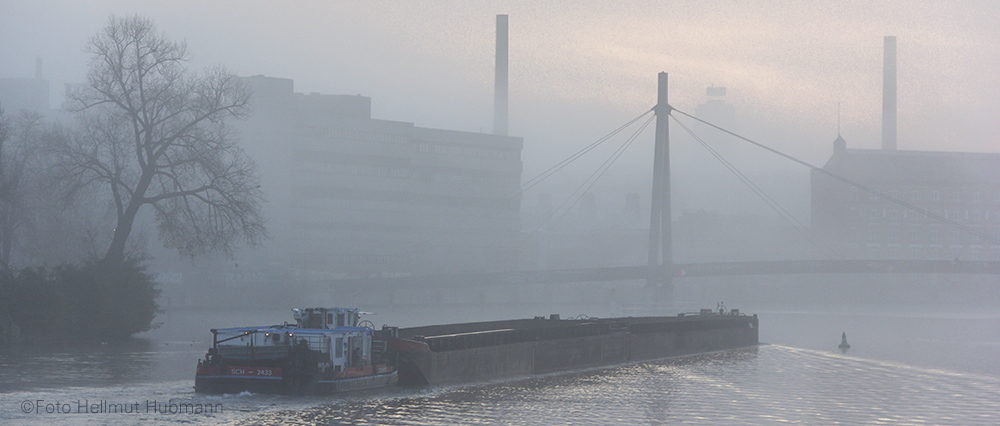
[[425, 147], [467, 151], [399, 211], [497, 231], [367, 136], [471, 179], [464, 179], [934, 236], [973, 217], [358, 170], [467, 257], [404, 197], [930, 195]]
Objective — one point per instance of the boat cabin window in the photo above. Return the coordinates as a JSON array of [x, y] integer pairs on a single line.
[[356, 352], [314, 321], [329, 319], [340, 319], [340, 347]]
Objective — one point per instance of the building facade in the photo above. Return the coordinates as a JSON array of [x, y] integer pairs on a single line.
[[962, 187], [352, 196]]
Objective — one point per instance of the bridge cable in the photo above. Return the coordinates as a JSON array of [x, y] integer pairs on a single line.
[[847, 181], [515, 194], [588, 183], [528, 184], [803, 230]]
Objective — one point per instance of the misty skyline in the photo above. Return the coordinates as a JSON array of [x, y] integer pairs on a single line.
[[577, 72]]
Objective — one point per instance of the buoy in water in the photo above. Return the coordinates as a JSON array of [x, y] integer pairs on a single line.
[[844, 346]]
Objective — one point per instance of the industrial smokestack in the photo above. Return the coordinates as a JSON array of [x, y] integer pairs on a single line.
[[500, 89], [38, 67], [889, 95]]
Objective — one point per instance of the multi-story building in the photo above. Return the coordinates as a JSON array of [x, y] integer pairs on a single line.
[[962, 187], [349, 195], [25, 93]]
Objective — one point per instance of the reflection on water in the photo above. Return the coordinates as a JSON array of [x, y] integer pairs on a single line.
[[772, 384], [635, 392], [756, 386], [891, 375], [84, 364]]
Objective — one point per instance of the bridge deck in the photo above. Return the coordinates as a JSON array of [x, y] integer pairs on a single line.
[[621, 273]]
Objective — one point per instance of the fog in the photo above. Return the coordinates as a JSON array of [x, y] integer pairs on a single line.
[[797, 74], [303, 153], [577, 72]]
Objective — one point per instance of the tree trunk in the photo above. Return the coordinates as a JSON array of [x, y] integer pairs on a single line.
[[116, 252], [6, 241]]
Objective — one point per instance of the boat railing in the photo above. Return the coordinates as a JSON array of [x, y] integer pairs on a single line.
[[706, 311], [252, 352], [263, 343]]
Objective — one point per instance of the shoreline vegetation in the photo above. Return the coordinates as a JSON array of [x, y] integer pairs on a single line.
[[94, 300]]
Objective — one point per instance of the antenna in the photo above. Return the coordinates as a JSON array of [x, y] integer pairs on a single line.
[[838, 118], [889, 95], [500, 114]]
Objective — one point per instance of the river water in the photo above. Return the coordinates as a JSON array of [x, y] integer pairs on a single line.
[[906, 366]]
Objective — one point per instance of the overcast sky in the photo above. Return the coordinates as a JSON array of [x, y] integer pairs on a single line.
[[580, 69]]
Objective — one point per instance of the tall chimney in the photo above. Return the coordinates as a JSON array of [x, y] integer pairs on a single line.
[[500, 88], [38, 67], [889, 95]]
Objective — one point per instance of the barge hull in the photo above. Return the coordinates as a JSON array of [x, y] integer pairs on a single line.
[[462, 353]]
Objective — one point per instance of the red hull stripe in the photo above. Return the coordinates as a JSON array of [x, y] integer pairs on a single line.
[[238, 377]]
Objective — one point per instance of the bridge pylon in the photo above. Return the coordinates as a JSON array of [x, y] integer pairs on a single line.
[[660, 247]]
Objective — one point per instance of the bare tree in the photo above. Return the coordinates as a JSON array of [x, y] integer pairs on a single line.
[[154, 135], [5, 231], [19, 137]]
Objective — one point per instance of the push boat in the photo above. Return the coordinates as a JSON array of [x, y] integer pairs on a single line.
[[327, 350]]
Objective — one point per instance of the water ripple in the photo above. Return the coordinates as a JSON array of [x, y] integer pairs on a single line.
[[759, 386], [767, 385]]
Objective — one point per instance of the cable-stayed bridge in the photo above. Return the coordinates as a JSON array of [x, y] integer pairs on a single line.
[[660, 270]]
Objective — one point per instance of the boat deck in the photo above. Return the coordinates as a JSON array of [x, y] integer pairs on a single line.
[[450, 337]]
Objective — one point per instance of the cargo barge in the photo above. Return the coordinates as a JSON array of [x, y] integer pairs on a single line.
[[331, 350], [483, 351]]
